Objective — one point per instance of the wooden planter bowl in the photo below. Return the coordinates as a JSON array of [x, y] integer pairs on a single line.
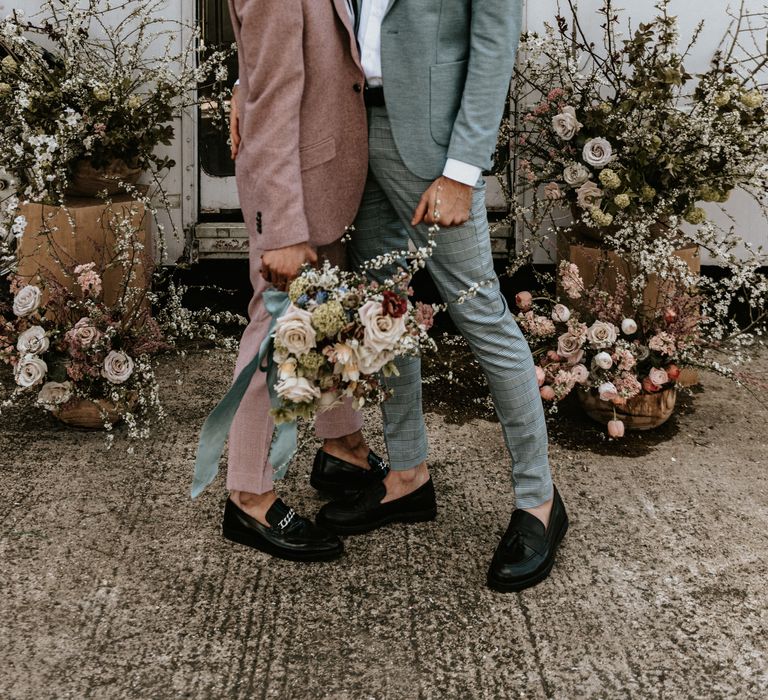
[[87, 181], [644, 412], [89, 413]]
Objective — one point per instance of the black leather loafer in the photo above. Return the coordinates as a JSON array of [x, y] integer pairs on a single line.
[[526, 553], [289, 536], [364, 511], [336, 477]]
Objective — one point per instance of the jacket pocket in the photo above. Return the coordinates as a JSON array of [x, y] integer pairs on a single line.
[[446, 86], [318, 153]]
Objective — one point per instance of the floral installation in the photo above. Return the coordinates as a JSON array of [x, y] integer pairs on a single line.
[[65, 343], [626, 133], [620, 139], [340, 333], [96, 82], [584, 339]]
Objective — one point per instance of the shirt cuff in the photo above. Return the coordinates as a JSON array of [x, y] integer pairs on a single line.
[[237, 82], [462, 172]]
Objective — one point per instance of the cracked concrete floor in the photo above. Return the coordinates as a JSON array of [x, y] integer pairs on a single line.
[[115, 585]]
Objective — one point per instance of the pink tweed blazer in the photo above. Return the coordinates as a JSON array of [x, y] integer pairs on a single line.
[[303, 157]]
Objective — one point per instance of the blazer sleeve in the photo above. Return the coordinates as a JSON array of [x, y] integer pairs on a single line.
[[494, 36], [268, 162]]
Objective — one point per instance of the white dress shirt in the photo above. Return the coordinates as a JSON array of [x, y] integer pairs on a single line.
[[369, 40]]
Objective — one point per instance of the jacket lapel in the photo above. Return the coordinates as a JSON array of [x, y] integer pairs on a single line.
[[343, 13]]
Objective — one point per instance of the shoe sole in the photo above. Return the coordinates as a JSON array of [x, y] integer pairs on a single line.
[[420, 516], [521, 584], [248, 541]]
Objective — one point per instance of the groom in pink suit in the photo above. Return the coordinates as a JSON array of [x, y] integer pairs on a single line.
[[301, 168]]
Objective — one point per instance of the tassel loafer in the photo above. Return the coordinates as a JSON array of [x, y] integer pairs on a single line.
[[337, 477], [526, 553], [364, 511], [289, 536]]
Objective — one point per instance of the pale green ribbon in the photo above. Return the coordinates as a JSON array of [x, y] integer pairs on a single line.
[[219, 421]]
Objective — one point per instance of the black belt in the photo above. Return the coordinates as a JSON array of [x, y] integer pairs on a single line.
[[374, 96]]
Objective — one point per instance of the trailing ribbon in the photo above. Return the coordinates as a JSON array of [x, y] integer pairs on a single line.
[[219, 421]]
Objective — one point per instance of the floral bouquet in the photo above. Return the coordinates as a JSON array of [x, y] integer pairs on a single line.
[[338, 335], [586, 341]]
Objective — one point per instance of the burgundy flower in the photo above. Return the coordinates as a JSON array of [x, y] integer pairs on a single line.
[[394, 305]]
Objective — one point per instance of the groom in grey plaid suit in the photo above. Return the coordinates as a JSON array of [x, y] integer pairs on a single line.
[[437, 75]]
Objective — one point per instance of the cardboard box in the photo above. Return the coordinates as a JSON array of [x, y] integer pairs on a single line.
[[57, 239]]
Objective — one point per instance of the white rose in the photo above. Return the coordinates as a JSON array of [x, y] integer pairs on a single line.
[[294, 331], [118, 367], [55, 393], [561, 313], [575, 174], [607, 391], [30, 370], [297, 390], [382, 332], [27, 300], [580, 374], [371, 361], [629, 326], [597, 152], [603, 360], [589, 195], [566, 125], [345, 357], [287, 368], [33, 341], [601, 334]]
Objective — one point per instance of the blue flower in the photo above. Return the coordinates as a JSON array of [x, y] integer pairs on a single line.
[[302, 301], [321, 297]]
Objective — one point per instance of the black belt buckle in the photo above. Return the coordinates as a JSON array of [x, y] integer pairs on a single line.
[[374, 96]]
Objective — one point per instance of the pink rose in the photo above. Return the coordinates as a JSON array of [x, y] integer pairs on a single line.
[[607, 391], [540, 375], [523, 300], [569, 347], [547, 393], [552, 192], [658, 376], [673, 372], [649, 387], [616, 428], [553, 356]]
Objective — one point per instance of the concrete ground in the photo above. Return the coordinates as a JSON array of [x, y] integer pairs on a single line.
[[115, 585]]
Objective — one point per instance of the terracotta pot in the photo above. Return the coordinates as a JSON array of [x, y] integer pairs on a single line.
[[90, 413], [644, 412], [88, 181]]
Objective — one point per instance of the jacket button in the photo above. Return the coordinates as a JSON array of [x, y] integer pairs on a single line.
[[357, 87]]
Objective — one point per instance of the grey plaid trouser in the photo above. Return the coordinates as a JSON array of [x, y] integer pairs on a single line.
[[461, 258]]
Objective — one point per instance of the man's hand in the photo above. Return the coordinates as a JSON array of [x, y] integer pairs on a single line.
[[445, 203], [234, 124], [281, 266]]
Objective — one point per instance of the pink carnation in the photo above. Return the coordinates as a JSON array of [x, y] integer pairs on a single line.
[[570, 279], [663, 343], [424, 315]]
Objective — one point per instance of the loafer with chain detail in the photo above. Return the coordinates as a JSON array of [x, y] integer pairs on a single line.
[[526, 553], [364, 511], [289, 536], [337, 477]]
